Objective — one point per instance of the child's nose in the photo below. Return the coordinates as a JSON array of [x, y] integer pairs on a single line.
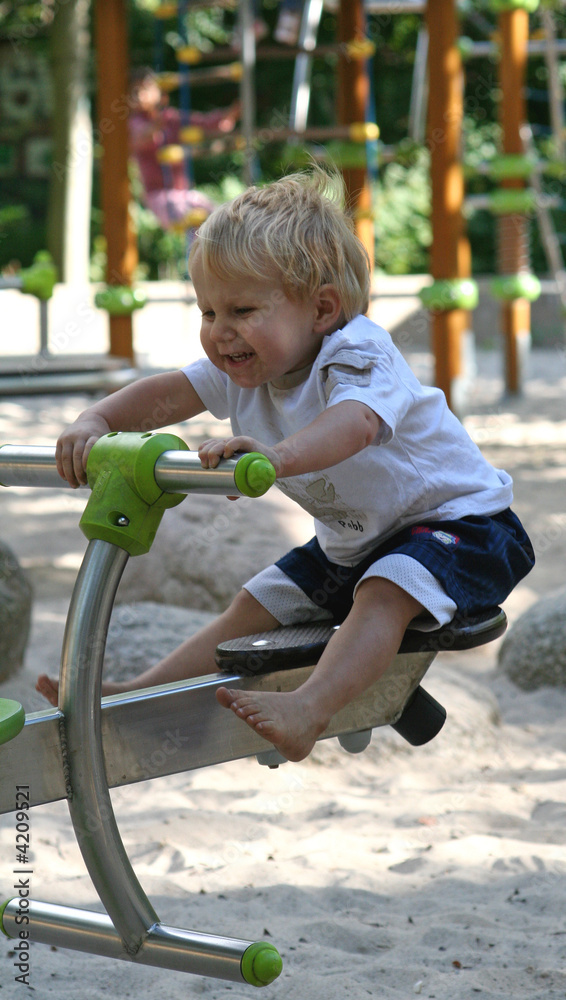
[[221, 330]]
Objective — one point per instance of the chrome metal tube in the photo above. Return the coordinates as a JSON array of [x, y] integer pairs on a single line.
[[26, 465], [175, 471], [165, 947], [181, 472], [90, 805]]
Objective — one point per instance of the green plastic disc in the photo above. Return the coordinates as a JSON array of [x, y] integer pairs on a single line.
[[120, 300], [261, 964], [12, 718], [254, 474], [511, 166], [508, 287], [512, 201], [457, 293]]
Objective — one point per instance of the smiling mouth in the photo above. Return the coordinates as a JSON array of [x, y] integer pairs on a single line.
[[238, 358]]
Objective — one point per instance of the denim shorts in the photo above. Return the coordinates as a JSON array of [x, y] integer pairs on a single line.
[[477, 560]]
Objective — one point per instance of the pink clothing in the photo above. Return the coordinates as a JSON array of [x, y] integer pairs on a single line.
[[172, 205], [167, 192], [148, 134]]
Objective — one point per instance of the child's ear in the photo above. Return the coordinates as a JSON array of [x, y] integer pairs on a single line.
[[328, 308]]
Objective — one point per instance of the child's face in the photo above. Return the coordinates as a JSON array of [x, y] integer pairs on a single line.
[[251, 330], [146, 95]]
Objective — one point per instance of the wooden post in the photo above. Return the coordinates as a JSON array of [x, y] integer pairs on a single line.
[[112, 127], [513, 236], [450, 256], [352, 103]]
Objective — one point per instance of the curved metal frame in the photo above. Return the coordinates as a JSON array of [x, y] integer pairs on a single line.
[[142, 935], [90, 806]]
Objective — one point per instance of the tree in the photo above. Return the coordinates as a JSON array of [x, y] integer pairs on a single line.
[[68, 221]]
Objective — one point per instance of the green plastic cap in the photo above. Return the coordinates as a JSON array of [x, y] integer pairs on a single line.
[[261, 964], [40, 278], [254, 474], [2, 908], [12, 718]]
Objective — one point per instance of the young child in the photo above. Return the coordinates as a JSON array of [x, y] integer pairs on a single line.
[[153, 125], [412, 524]]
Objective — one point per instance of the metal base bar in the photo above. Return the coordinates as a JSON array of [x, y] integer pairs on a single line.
[[166, 947], [180, 727]]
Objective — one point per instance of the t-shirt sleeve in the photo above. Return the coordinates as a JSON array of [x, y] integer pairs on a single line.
[[211, 386], [369, 378]]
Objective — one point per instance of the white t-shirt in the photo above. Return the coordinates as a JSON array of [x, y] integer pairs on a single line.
[[422, 466]]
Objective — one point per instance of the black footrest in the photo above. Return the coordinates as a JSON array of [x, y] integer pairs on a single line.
[[303, 645], [422, 719]]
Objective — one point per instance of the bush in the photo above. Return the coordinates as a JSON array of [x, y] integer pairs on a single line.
[[402, 209]]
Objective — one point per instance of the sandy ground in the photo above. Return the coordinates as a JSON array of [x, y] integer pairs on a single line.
[[438, 872]]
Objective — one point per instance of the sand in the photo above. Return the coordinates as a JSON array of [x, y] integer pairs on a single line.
[[436, 872]]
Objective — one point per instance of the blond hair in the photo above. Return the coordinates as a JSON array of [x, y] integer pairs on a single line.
[[294, 229]]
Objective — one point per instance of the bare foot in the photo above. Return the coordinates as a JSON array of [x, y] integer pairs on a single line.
[[282, 719], [49, 688]]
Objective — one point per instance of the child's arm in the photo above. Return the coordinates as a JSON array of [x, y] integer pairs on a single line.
[[336, 434], [156, 401]]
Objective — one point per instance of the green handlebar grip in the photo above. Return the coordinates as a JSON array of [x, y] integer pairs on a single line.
[[254, 474], [12, 718], [261, 964]]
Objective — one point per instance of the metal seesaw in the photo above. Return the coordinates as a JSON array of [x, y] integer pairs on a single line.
[[88, 745]]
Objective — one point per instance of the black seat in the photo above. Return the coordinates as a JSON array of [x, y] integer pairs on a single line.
[[302, 645]]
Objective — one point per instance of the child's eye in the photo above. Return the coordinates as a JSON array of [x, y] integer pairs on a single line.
[[207, 314], [244, 310]]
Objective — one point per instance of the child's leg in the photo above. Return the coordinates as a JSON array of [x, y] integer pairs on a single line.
[[356, 656], [195, 656]]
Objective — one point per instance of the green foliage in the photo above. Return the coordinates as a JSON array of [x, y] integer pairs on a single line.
[[202, 28], [21, 19], [402, 208], [22, 222]]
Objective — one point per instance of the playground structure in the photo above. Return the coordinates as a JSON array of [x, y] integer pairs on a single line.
[[55, 372], [83, 748], [453, 294]]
